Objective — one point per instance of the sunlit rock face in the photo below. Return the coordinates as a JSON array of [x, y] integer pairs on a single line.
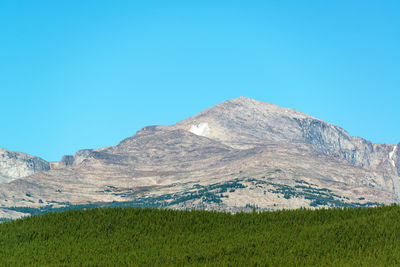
[[14, 165], [334, 141], [239, 154]]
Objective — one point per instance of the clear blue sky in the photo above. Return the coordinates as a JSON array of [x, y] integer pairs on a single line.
[[86, 74]]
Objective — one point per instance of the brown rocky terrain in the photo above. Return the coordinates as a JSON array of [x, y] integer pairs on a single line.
[[234, 156]]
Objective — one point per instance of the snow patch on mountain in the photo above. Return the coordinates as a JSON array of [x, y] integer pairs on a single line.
[[391, 154], [201, 129]]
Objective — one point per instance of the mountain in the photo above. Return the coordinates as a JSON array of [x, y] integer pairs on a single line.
[[245, 122], [234, 156]]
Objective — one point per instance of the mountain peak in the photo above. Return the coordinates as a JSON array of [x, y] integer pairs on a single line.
[[243, 99], [266, 106], [244, 122]]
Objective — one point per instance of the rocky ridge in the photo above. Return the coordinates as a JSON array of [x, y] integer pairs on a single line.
[[234, 156], [245, 122]]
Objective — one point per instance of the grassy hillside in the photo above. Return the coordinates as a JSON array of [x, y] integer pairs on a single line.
[[129, 236]]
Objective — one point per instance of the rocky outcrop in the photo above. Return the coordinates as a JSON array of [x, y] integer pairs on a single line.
[[334, 141], [66, 160], [14, 165], [395, 158], [80, 156]]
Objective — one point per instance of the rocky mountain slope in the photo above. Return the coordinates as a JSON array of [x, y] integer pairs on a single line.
[[14, 165], [234, 156], [245, 122]]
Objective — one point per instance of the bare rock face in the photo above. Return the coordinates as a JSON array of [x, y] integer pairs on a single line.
[[394, 157], [80, 156], [332, 140], [234, 156], [14, 165], [66, 160]]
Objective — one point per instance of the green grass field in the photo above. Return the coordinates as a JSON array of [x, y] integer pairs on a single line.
[[142, 237]]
